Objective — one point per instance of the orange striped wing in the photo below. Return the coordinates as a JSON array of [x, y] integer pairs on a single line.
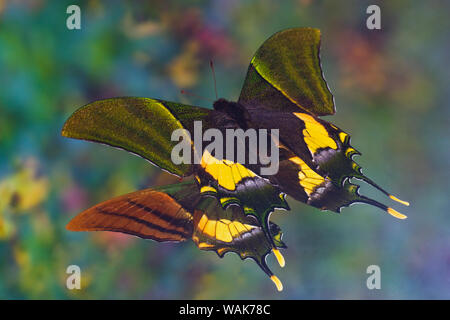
[[148, 214]]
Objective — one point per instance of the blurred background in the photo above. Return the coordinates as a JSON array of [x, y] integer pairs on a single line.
[[391, 91]]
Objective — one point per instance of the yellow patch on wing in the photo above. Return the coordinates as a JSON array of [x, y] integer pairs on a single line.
[[205, 189], [202, 223], [405, 203], [315, 135], [343, 136], [308, 178], [225, 200], [223, 230], [221, 250], [225, 172]]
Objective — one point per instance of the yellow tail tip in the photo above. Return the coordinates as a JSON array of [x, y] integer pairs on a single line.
[[279, 257], [405, 203], [396, 214], [277, 282]]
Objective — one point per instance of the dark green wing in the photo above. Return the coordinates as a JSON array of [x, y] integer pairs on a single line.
[[142, 126], [316, 162], [285, 75]]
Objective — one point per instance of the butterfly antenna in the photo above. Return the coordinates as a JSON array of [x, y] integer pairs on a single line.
[[211, 64], [187, 93]]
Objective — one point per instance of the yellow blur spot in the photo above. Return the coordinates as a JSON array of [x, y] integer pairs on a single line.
[[406, 203], [23, 190], [7, 229], [21, 256], [396, 214], [315, 135], [277, 282], [183, 68], [240, 227], [279, 257]]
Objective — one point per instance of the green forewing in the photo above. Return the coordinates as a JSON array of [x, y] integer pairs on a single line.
[[285, 74], [139, 125]]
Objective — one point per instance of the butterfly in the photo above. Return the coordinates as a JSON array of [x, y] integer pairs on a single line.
[[227, 205]]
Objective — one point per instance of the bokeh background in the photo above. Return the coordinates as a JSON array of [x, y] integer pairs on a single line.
[[391, 90]]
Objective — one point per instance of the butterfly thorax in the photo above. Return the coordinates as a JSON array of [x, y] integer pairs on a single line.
[[230, 115]]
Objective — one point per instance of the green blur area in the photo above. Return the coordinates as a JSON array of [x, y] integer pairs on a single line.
[[391, 92]]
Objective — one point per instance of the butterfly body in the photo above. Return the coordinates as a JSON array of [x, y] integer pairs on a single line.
[[227, 205], [234, 111], [313, 166]]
